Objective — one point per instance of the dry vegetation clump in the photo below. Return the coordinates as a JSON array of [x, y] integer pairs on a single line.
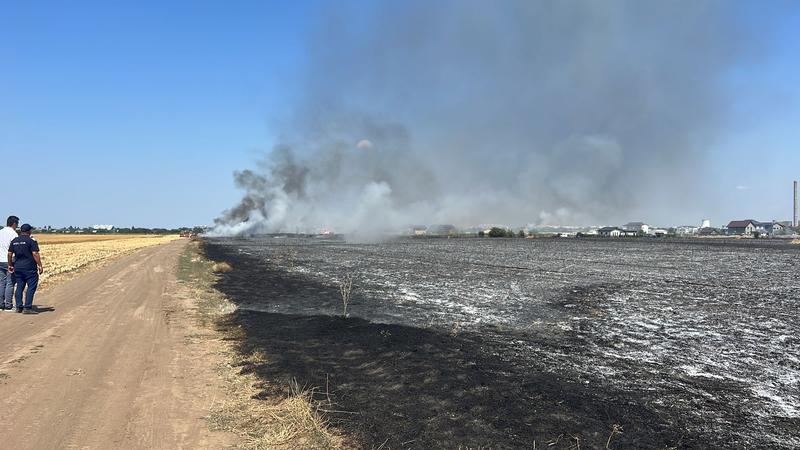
[[293, 421], [221, 267], [346, 292], [796, 241], [63, 254]]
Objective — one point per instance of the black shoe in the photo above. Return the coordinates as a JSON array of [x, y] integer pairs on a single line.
[[29, 311], [19, 310]]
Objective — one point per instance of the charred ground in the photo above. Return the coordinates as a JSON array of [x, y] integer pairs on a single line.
[[505, 342]]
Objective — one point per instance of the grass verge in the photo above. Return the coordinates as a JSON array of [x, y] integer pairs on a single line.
[[292, 421]]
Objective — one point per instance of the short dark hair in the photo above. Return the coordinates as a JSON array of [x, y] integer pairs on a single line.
[[11, 221]]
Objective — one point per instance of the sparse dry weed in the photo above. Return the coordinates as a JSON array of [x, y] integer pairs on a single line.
[[346, 291], [615, 430]]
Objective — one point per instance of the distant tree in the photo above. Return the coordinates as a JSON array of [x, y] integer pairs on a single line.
[[497, 232], [521, 233], [481, 233]]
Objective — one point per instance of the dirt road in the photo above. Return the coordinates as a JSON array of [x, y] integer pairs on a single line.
[[111, 362]]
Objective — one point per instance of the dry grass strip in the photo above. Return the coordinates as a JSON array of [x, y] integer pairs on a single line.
[[292, 421]]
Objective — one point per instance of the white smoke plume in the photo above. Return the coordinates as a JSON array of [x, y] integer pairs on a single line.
[[470, 112]]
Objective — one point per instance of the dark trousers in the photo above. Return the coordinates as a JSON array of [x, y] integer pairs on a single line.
[[29, 278]]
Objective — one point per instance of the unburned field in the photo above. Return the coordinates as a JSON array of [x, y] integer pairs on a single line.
[[63, 255], [69, 238], [505, 343]]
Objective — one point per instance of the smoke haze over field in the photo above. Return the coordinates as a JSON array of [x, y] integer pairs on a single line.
[[511, 112]]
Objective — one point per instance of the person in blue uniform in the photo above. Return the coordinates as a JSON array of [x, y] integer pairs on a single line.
[[26, 265]]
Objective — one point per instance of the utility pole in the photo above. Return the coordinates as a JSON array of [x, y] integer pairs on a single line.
[[794, 216]]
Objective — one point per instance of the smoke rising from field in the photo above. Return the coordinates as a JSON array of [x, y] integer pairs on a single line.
[[511, 112]]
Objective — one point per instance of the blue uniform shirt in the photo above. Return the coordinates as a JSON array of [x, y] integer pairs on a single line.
[[23, 248]]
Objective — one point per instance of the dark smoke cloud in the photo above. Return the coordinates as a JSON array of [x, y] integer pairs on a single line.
[[511, 112]]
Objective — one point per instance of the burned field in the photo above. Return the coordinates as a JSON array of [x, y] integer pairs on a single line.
[[635, 343]]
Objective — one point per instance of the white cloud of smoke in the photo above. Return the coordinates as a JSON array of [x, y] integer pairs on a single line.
[[510, 112]]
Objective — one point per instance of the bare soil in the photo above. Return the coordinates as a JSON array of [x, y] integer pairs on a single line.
[[110, 362]]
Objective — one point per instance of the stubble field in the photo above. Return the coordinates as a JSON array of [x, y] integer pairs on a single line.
[[65, 254], [508, 342]]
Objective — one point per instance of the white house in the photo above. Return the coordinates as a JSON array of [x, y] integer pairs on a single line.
[[686, 230], [637, 226], [610, 232], [418, 230], [769, 228], [659, 232]]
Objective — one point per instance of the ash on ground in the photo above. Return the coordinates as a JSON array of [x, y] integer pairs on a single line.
[[507, 342]]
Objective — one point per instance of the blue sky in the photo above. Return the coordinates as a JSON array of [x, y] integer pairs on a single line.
[[137, 113], [756, 161]]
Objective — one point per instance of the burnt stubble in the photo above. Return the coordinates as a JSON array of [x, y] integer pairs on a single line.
[[507, 342]]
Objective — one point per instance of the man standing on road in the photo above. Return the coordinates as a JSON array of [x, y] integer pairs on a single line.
[[7, 234], [26, 265]]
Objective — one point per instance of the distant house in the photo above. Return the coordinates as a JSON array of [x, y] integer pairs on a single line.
[[418, 230], [770, 228], [637, 226], [685, 230], [708, 231], [610, 232], [742, 227]]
